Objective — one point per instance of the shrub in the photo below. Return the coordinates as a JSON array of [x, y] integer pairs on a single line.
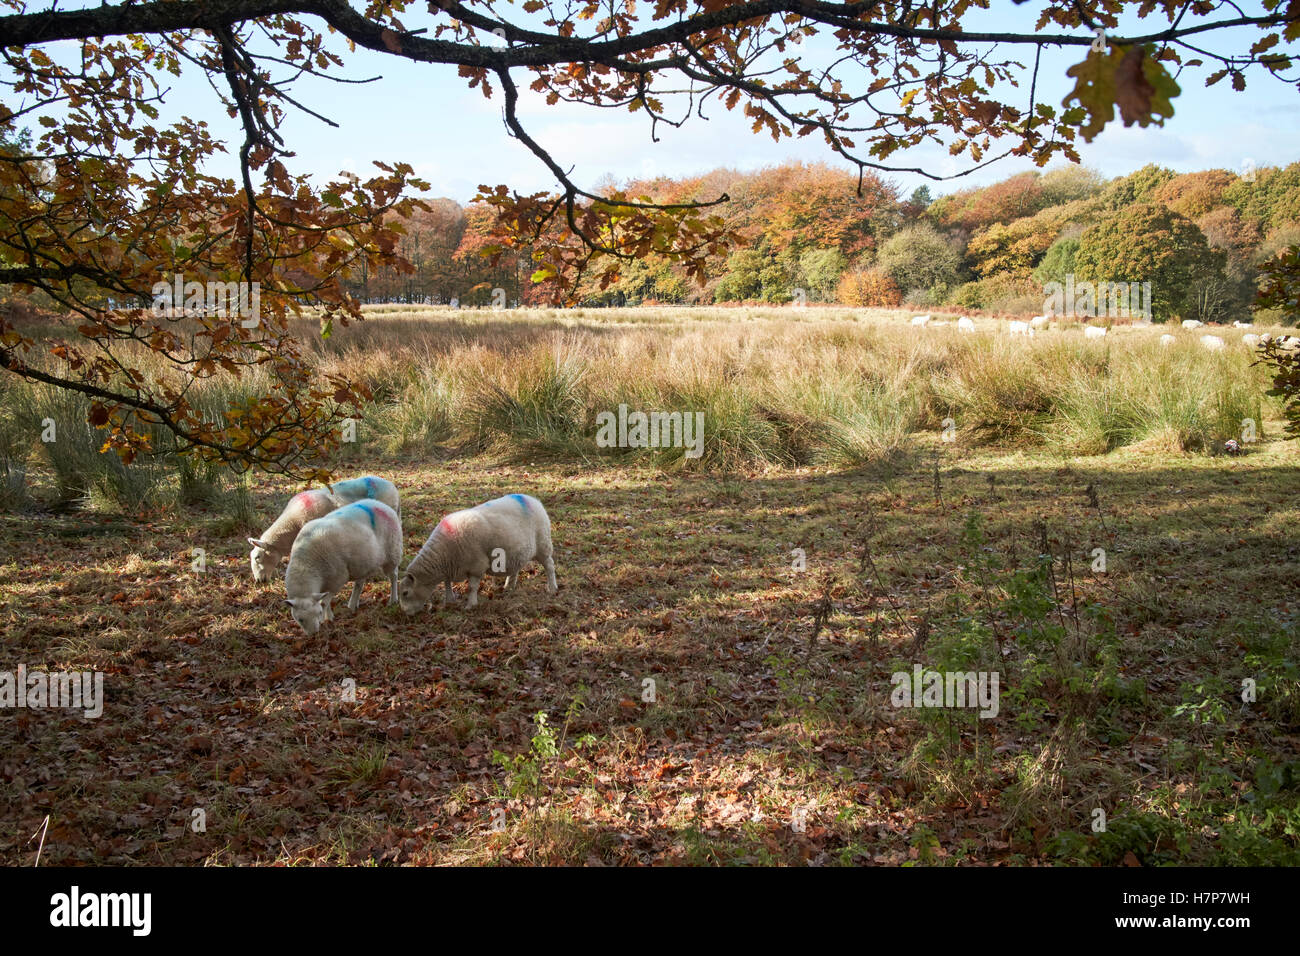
[[920, 257], [1149, 243], [870, 288]]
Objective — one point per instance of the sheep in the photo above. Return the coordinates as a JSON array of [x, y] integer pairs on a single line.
[[1039, 322], [275, 542], [501, 535], [1192, 324], [1250, 341], [368, 486], [921, 320], [1242, 325], [965, 325], [353, 543], [1166, 339], [1288, 343], [1212, 342], [1019, 328], [1094, 331]]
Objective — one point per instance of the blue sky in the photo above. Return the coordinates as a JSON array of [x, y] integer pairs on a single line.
[[455, 139]]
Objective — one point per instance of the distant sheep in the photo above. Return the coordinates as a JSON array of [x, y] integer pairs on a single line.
[[501, 536], [1166, 339], [1250, 341], [1288, 343], [965, 325], [1039, 322], [1212, 342], [1094, 331], [354, 543], [1192, 324], [1019, 328], [920, 320], [1241, 325]]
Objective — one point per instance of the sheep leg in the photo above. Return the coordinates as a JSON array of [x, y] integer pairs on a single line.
[[473, 591], [448, 595], [355, 600], [329, 611], [548, 563], [392, 591]]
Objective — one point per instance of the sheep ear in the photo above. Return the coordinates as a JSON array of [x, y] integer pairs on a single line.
[[258, 544], [320, 597], [288, 602]]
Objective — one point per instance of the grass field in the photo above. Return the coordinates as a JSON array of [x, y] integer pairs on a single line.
[[695, 693]]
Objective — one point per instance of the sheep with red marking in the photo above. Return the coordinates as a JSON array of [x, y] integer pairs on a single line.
[[501, 536], [355, 543]]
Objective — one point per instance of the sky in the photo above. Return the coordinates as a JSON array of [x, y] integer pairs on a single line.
[[455, 138]]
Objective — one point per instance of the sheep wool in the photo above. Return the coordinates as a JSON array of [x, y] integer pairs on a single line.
[[501, 536], [365, 488], [357, 542], [275, 542]]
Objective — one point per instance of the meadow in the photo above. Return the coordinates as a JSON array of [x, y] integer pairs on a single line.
[[712, 683]]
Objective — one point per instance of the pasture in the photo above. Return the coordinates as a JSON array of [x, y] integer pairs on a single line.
[[712, 682]]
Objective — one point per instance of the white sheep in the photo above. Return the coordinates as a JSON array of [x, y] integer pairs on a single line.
[[1241, 325], [366, 487], [353, 543], [1039, 322], [921, 320], [1019, 328], [1265, 338], [1094, 331], [1192, 324], [1288, 343], [277, 540], [1212, 342], [501, 536], [965, 325], [1166, 339], [1250, 341]]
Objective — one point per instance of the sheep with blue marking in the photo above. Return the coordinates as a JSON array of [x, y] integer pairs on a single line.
[[501, 536], [355, 543], [276, 541]]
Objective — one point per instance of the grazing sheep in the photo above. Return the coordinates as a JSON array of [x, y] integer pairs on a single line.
[[275, 542], [1166, 339], [1265, 338], [368, 486], [1212, 342], [1242, 325], [965, 325], [354, 543], [501, 535], [1250, 341], [1019, 328], [1192, 324], [920, 320], [1039, 322], [1288, 343], [1093, 331]]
